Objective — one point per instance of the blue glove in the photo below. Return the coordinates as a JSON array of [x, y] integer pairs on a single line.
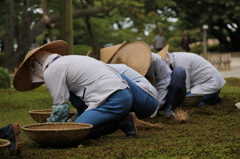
[[60, 113], [74, 117]]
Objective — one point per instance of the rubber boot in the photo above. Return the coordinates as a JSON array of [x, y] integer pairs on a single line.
[[175, 97], [125, 124], [11, 133]]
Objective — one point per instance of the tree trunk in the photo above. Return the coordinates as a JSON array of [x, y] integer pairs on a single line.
[[9, 35], [66, 23], [28, 35], [24, 42], [93, 39]]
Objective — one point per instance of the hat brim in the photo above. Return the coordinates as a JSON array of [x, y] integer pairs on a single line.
[[107, 53], [163, 52], [136, 55], [22, 81], [89, 53]]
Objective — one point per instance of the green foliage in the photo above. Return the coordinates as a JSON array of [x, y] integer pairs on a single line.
[[81, 49], [4, 79], [216, 48], [197, 48], [1, 59], [129, 20], [221, 16], [210, 132]]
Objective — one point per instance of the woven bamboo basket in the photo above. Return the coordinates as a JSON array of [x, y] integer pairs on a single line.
[[3, 145], [41, 116], [192, 101], [57, 134]]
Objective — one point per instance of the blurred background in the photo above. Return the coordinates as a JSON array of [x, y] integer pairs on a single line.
[[212, 25]]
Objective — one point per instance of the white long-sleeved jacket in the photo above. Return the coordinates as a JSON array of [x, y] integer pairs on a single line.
[[137, 78], [88, 78], [201, 76], [160, 75]]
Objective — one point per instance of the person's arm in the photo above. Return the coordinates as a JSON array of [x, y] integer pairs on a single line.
[[181, 44], [162, 74], [164, 42], [56, 84], [154, 42], [189, 40], [186, 65], [60, 113], [162, 78], [185, 62]]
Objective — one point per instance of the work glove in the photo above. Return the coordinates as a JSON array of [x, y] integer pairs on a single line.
[[60, 113]]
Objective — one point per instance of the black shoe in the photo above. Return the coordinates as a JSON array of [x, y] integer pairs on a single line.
[[168, 111], [168, 116], [11, 133], [214, 101], [218, 99], [129, 126]]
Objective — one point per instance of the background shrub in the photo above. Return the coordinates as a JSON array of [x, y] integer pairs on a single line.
[[81, 49], [4, 78], [1, 59]]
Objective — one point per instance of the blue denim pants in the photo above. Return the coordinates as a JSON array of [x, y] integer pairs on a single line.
[[115, 107], [143, 104], [176, 90], [206, 97]]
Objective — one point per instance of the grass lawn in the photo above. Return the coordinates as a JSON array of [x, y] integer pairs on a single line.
[[210, 132]]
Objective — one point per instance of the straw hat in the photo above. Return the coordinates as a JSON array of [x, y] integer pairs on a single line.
[[163, 52], [22, 81], [108, 52], [136, 55], [89, 53]]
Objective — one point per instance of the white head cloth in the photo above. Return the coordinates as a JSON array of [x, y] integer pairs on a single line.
[[39, 63]]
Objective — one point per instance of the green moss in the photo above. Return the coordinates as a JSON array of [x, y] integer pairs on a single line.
[[210, 132]]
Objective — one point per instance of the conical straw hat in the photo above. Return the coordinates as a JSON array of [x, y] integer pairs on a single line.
[[163, 52], [89, 53], [108, 52], [22, 81], [136, 55]]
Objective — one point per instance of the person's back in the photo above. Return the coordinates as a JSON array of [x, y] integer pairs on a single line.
[[159, 41], [185, 42], [129, 72], [136, 77], [198, 70], [85, 76], [145, 95]]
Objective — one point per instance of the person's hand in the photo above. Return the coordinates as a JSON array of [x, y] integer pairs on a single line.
[[70, 121], [60, 113]]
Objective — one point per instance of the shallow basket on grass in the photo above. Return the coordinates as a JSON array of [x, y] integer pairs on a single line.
[[57, 134], [3, 145], [41, 116], [192, 101]]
